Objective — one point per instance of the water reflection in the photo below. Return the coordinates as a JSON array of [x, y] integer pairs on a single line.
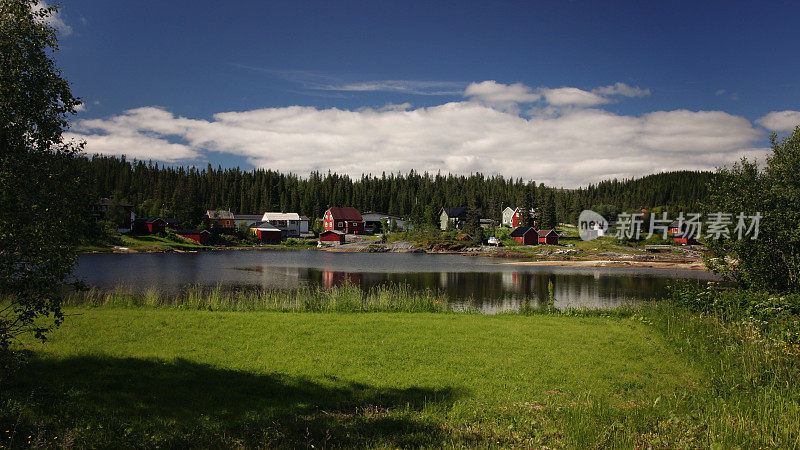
[[501, 291], [479, 282]]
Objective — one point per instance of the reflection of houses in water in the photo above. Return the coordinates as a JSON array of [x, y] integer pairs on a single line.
[[332, 278]]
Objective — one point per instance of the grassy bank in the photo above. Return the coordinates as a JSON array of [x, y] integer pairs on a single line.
[[156, 376], [127, 371]]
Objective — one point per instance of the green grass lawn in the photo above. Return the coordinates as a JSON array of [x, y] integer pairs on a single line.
[[163, 377]]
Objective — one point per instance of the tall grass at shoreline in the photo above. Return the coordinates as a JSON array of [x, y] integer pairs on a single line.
[[344, 298]]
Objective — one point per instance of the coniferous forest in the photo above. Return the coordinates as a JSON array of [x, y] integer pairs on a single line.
[[186, 192]]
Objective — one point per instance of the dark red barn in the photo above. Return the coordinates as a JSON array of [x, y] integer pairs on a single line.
[[525, 235], [347, 220], [332, 236], [266, 232], [149, 225], [202, 237], [548, 237]]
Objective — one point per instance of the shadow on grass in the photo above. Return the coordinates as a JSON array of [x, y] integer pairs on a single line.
[[102, 401]]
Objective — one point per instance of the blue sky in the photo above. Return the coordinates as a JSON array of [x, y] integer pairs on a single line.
[[562, 92]]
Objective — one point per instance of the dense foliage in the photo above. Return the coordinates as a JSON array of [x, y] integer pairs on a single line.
[[770, 262], [186, 192], [40, 207]]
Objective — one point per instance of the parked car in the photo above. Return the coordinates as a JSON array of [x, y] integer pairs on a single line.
[[493, 241]]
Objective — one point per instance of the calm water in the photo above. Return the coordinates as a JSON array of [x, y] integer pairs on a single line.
[[486, 282]]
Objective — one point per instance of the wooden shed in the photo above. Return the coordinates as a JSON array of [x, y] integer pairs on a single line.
[[548, 237], [525, 235], [149, 225], [202, 237], [332, 237], [266, 232]]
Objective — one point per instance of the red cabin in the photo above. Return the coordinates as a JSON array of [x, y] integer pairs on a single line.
[[549, 237], [332, 236], [149, 225], [220, 219], [347, 220], [525, 235], [266, 232], [202, 237]]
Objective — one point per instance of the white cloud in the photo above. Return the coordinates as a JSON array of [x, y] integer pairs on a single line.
[[508, 97], [622, 89], [505, 97], [54, 20], [575, 147], [570, 96], [785, 121]]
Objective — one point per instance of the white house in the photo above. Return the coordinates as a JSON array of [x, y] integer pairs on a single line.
[[508, 216], [514, 217], [305, 224], [288, 223]]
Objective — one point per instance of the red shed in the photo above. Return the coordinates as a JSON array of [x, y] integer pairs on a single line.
[[347, 220], [525, 235], [548, 237], [332, 236], [202, 237], [149, 225], [266, 232]]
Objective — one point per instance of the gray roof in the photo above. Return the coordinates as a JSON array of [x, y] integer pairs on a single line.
[[455, 211], [247, 216], [521, 231]]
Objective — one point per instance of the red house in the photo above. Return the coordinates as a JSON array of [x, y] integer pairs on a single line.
[[548, 237], [149, 225], [525, 235], [347, 220], [266, 232], [202, 237], [332, 237], [220, 219]]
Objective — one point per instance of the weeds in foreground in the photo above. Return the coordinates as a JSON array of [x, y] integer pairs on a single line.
[[345, 298]]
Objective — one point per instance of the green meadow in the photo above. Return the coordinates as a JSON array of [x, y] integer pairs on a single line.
[[162, 377], [143, 376]]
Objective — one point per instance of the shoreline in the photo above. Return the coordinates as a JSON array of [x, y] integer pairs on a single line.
[[514, 260], [659, 265]]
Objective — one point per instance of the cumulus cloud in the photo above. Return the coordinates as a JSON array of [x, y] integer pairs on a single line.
[[54, 20], [505, 97], [784, 121], [576, 147], [570, 96], [508, 97]]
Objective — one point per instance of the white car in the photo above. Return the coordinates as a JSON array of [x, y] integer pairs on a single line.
[[493, 241]]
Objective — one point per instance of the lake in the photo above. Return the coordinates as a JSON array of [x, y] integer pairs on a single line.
[[488, 283]]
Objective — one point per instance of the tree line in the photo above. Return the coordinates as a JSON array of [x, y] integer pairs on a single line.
[[186, 192]]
